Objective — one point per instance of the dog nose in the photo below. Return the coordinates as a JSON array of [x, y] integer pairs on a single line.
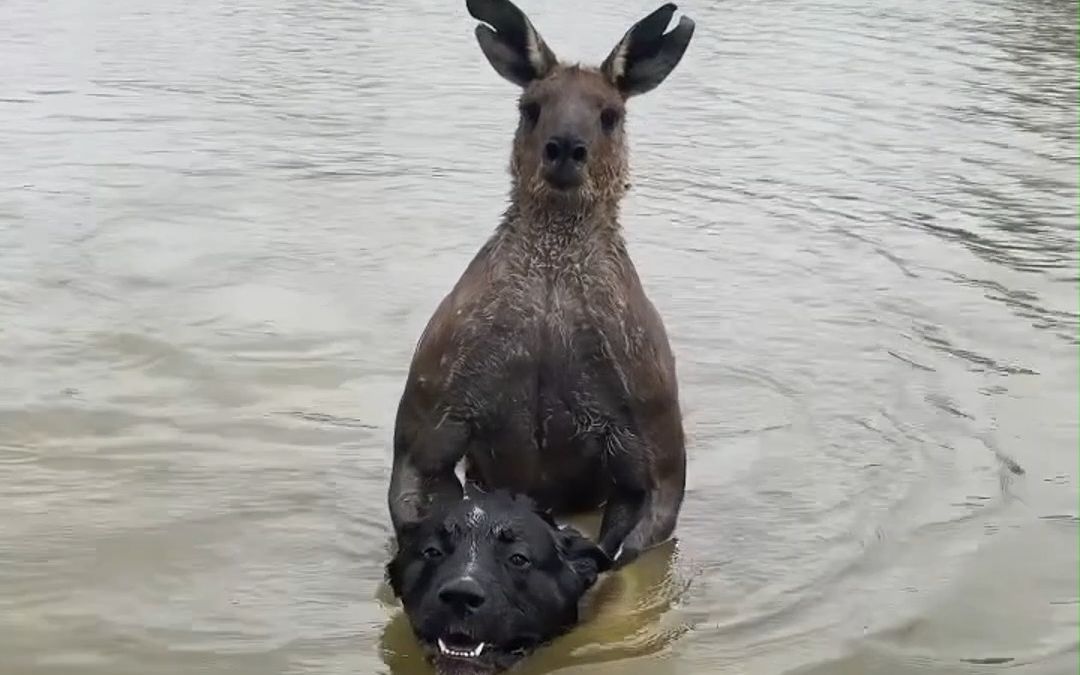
[[462, 593], [559, 149]]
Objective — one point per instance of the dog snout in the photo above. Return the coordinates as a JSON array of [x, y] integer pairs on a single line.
[[463, 593]]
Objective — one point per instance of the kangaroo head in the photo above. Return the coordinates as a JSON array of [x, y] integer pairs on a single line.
[[570, 148]]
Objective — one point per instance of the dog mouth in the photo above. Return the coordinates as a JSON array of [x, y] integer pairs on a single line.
[[464, 647], [459, 646]]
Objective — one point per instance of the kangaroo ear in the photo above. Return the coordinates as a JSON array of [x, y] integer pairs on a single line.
[[646, 55], [586, 558], [510, 43]]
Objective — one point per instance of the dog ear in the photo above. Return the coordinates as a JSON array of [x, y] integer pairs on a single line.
[[394, 574], [586, 558], [395, 569]]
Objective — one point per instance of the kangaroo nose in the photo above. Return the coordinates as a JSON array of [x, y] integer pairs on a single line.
[[462, 593], [559, 149]]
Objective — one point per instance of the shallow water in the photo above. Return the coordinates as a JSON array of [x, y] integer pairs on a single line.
[[224, 224]]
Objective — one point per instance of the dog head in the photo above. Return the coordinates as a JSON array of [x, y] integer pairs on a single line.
[[485, 580]]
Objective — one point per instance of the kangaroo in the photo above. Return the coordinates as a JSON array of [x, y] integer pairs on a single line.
[[546, 367]]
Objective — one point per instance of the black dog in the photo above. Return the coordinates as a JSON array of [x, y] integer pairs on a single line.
[[487, 579]]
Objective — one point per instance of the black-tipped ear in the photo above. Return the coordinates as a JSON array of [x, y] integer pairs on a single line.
[[646, 55], [509, 41], [586, 558]]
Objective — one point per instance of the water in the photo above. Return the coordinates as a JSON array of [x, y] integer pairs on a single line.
[[224, 224]]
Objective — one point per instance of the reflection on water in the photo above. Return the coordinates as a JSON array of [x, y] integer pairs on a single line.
[[223, 226]]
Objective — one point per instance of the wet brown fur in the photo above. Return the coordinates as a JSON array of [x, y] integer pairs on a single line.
[[546, 366]]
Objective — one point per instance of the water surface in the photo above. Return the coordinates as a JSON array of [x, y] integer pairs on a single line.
[[224, 224]]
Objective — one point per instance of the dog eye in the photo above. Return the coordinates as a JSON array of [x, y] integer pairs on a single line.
[[609, 117], [518, 560], [432, 553]]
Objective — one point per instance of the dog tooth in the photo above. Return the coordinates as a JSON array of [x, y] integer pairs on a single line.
[[479, 649]]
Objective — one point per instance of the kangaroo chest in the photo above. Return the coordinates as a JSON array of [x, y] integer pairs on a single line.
[[546, 362], [575, 315], [559, 335], [559, 391]]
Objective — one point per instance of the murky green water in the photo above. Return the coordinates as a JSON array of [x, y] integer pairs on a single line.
[[224, 224]]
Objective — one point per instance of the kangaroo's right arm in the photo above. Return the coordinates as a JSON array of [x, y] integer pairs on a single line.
[[426, 451], [430, 432]]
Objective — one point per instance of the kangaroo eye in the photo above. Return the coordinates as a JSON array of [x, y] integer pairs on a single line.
[[609, 117], [518, 560], [531, 112]]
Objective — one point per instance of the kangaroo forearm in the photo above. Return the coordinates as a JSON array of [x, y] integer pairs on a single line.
[[423, 471], [621, 515], [411, 493]]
